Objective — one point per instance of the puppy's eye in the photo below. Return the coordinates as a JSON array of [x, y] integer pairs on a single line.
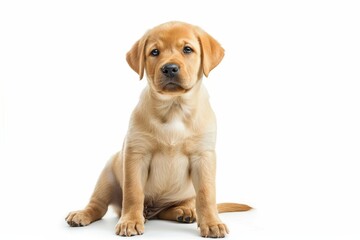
[[187, 50], [155, 52]]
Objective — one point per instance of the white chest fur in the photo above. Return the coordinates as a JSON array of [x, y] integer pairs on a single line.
[[173, 131], [175, 126]]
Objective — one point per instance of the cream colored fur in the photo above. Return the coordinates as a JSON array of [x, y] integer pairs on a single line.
[[166, 168]]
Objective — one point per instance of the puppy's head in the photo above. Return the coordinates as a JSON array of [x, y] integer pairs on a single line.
[[174, 55]]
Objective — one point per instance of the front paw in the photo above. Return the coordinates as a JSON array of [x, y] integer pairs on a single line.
[[213, 229], [130, 226]]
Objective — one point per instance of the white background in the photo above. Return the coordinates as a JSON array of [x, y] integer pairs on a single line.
[[287, 98]]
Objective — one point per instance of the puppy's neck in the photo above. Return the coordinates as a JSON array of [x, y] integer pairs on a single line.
[[166, 107]]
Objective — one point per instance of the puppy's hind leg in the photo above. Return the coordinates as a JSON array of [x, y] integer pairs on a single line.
[[183, 212], [102, 196]]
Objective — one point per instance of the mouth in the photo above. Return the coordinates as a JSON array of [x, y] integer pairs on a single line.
[[172, 87]]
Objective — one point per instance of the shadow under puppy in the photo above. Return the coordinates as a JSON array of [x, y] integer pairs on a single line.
[[166, 168]]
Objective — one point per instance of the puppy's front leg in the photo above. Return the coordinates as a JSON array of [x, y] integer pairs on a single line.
[[135, 174], [203, 175]]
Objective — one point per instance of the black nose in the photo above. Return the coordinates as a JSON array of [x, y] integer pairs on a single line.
[[170, 70]]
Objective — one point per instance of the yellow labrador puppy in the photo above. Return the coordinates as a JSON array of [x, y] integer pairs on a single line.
[[166, 168]]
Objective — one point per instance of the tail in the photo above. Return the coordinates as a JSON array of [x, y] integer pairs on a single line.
[[232, 207]]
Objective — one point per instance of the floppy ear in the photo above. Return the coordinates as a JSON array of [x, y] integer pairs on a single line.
[[136, 57], [211, 52]]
